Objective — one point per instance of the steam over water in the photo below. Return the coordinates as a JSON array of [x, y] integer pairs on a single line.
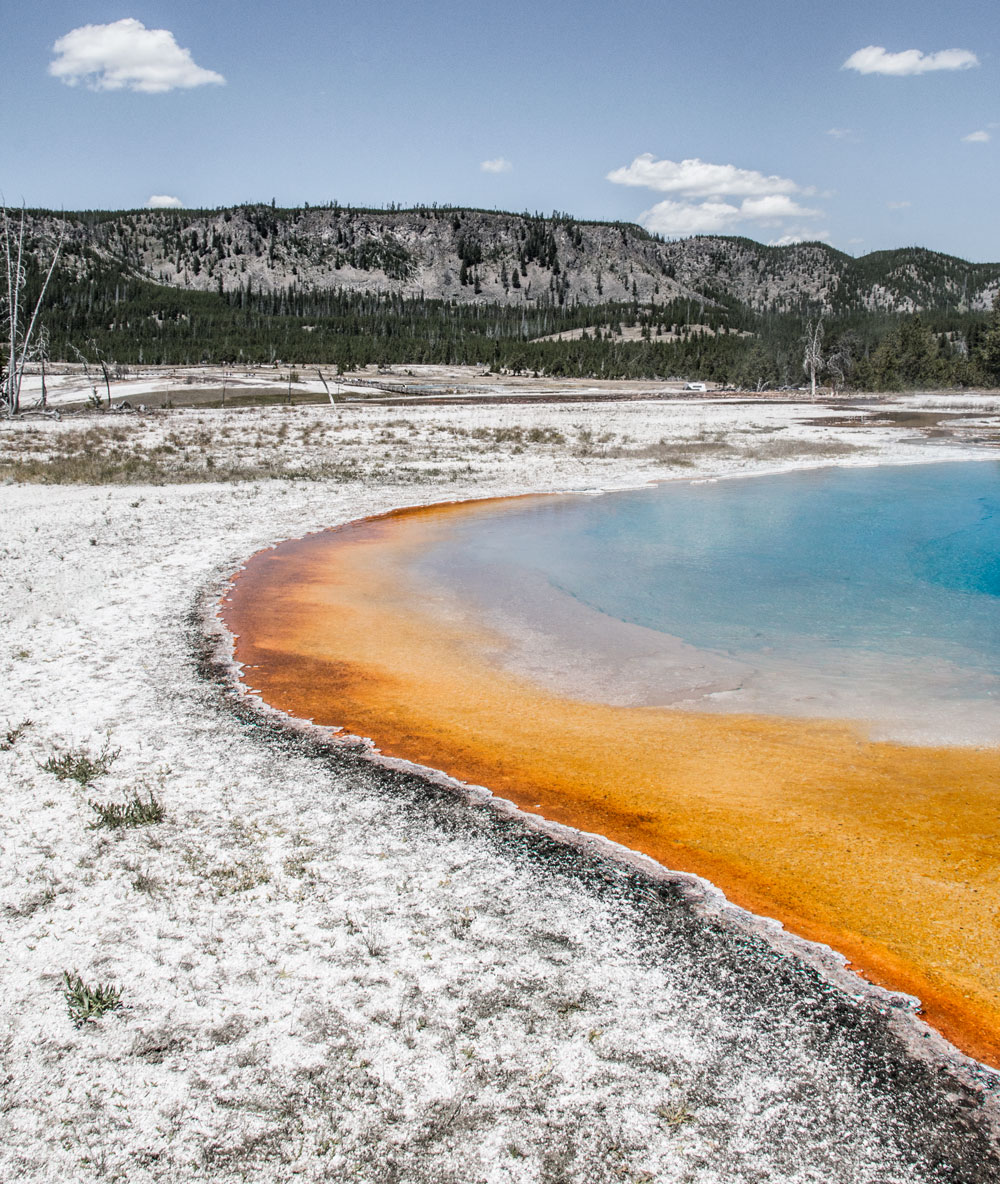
[[863, 593]]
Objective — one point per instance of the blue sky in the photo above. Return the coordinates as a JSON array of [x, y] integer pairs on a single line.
[[730, 116]]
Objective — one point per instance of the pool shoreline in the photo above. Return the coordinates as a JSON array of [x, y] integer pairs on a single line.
[[706, 899], [743, 900]]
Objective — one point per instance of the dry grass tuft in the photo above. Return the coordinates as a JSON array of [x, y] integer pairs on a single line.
[[136, 811], [79, 765]]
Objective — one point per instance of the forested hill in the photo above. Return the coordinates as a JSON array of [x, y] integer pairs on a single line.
[[478, 256]]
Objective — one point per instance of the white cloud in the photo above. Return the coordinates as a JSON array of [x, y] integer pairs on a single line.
[[875, 59], [774, 205], [717, 217], [898, 205], [977, 138], [126, 55], [698, 178], [163, 201], [844, 133], [681, 217], [801, 234], [765, 199], [500, 165]]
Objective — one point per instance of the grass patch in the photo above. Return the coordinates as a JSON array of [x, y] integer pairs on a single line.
[[164, 465], [138, 468], [144, 882], [87, 1002], [239, 876], [11, 736], [136, 811], [788, 449], [79, 765]]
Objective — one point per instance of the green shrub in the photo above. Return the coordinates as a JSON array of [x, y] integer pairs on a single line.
[[136, 811], [77, 764], [86, 1002], [11, 736]]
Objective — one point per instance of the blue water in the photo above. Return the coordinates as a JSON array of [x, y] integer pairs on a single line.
[[901, 561]]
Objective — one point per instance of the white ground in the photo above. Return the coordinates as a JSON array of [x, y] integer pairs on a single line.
[[332, 973], [73, 384]]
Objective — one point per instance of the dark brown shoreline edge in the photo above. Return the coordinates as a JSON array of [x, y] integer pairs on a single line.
[[951, 1102]]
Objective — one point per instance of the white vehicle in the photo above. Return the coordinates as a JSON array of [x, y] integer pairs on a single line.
[[696, 386]]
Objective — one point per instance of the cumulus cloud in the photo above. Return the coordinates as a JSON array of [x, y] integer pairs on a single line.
[[716, 217], [898, 205], [125, 55], [682, 217], [843, 133], [979, 137], [704, 195], [775, 205], [876, 59], [163, 201], [500, 165], [800, 236], [698, 178]]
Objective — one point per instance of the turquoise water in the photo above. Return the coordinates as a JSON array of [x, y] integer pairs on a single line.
[[785, 573]]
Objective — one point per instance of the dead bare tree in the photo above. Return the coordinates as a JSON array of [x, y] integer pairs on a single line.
[[812, 361], [840, 361], [40, 353], [329, 395], [18, 323], [102, 362]]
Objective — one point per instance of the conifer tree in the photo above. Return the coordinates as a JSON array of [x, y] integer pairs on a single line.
[[988, 354]]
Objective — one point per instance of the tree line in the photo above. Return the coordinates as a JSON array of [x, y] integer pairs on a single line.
[[114, 315]]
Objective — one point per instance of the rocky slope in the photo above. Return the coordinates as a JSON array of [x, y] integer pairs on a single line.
[[488, 256]]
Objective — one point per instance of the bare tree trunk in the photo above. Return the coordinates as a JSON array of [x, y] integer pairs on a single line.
[[107, 380], [19, 343], [13, 289], [326, 388], [813, 359]]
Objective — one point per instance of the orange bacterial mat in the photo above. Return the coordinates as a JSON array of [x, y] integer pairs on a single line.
[[887, 852]]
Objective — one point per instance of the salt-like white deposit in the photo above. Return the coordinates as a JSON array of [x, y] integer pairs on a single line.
[[333, 970]]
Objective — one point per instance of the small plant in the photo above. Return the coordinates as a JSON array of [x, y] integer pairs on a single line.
[[136, 811], [372, 937], [77, 764], [11, 736], [675, 1114], [87, 1003], [239, 876]]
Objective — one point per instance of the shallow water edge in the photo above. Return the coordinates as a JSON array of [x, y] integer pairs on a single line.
[[761, 906], [893, 1018]]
